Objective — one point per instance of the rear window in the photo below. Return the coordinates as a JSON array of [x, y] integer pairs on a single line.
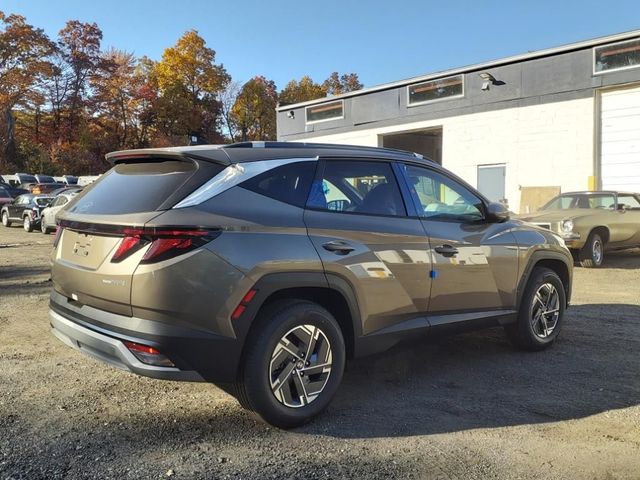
[[137, 187], [43, 202], [46, 179], [27, 178], [289, 183]]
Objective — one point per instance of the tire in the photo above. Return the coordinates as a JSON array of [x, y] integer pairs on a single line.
[[5, 219], [592, 254], [43, 227], [532, 331], [27, 224], [267, 364]]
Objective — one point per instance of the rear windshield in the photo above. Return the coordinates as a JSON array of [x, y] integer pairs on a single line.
[[43, 202], [137, 187], [46, 179]]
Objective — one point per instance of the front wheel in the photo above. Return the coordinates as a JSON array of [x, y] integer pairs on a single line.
[[293, 364], [541, 311], [27, 224], [592, 254]]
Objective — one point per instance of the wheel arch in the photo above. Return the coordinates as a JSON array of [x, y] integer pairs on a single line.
[[557, 262], [331, 292], [601, 230]]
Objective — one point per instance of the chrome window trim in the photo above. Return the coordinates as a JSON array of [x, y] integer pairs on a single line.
[[233, 175]]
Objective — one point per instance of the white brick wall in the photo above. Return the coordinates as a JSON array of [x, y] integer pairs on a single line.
[[542, 145]]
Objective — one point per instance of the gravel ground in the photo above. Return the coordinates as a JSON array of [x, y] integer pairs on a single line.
[[464, 407]]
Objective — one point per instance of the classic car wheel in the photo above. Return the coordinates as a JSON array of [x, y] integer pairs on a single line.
[[592, 254]]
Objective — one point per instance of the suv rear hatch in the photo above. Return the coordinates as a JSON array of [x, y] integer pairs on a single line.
[[102, 237]]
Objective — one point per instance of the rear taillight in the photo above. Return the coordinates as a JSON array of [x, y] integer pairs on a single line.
[[164, 243], [57, 237]]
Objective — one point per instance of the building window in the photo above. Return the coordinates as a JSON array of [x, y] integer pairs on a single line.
[[435, 90], [619, 56], [325, 112]]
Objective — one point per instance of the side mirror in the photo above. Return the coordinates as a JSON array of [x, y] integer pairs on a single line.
[[497, 212]]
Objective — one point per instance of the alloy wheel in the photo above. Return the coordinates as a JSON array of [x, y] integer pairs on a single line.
[[300, 366], [545, 310]]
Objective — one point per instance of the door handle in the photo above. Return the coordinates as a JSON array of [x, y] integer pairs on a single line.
[[446, 250], [339, 248]]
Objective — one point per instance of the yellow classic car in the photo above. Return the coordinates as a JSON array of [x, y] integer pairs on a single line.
[[592, 222]]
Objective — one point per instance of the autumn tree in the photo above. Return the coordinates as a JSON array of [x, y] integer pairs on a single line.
[[117, 99], [338, 84], [79, 49], [254, 111], [301, 91], [189, 83], [23, 65]]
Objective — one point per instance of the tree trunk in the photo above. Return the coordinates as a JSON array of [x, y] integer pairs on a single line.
[[10, 150]]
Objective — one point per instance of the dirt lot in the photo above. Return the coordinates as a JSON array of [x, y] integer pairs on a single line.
[[460, 407]]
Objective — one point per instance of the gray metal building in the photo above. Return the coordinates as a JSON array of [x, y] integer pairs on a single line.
[[566, 117]]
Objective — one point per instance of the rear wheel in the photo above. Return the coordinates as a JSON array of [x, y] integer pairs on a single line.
[[592, 254], [541, 311], [27, 224], [43, 227], [5, 219], [294, 363]]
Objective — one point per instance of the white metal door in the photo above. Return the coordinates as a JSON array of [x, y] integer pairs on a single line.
[[620, 139], [491, 181]]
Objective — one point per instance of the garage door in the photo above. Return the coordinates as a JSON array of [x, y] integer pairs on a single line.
[[620, 140]]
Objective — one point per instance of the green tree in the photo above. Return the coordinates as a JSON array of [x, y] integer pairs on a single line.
[[254, 111]]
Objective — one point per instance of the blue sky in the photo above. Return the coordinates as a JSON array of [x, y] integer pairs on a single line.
[[382, 41]]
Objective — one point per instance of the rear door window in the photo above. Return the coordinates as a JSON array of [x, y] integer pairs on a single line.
[[630, 202], [288, 183], [134, 187]]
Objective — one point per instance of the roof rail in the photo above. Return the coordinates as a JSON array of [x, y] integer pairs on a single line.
[[270, 144]]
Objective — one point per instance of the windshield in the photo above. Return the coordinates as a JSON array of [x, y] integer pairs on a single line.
[[4, 193], [605, 201], [46, 179]]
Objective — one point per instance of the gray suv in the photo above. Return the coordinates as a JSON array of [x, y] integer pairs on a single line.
[[264, 267]]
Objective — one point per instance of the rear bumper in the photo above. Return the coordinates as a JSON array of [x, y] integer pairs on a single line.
[[196, 354], [111, 350]]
